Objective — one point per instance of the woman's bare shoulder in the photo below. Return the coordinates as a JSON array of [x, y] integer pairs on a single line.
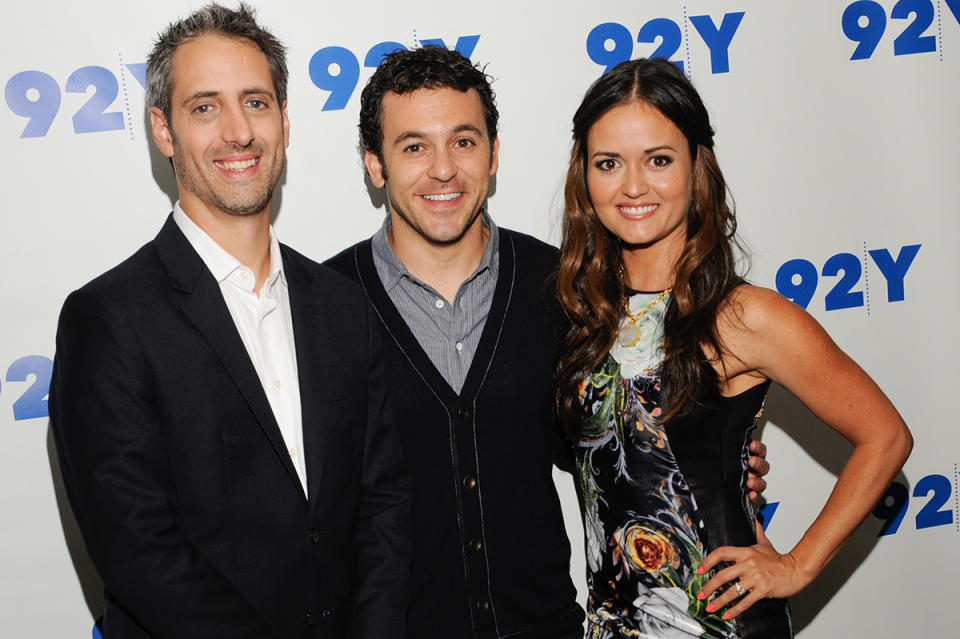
[[755, 309]]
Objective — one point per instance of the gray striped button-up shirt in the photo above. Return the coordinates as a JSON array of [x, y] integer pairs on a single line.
[[448, 333]]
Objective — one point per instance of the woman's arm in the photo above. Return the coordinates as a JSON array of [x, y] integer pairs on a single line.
[[766, 335]]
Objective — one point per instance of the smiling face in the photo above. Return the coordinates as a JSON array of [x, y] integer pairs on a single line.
[[226, 133], [640, 177], [436, 163]]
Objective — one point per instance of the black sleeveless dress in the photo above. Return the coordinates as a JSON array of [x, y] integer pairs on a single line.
[[656, 499]]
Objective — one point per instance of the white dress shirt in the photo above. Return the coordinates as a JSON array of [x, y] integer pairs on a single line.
[[265, 326]]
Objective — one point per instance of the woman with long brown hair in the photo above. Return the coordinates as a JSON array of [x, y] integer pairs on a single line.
[[664, 369]]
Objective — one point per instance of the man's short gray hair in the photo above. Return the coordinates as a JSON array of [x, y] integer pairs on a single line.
[[211, 19]]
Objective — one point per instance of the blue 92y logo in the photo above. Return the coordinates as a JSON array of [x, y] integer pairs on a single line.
[[798, 279], [32, 402], [36, 95], [337, 69], [765, 514], [935, 511], [865, 22], [611, 43], [932, 491]]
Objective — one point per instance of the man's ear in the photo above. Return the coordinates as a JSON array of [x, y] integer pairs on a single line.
[[162, 135], [495, 156], [374, 168], [286, 126]]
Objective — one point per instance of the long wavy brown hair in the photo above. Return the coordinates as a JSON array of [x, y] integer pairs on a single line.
[[589, 287]]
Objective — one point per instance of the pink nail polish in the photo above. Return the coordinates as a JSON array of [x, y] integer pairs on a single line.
[[699, 570], [726, 616], [709, 607], [700, 595]]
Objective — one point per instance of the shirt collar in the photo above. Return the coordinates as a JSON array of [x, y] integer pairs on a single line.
[[393, 270], [219, 262]]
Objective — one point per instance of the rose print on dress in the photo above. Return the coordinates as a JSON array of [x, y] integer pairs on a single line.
[[642, 543]]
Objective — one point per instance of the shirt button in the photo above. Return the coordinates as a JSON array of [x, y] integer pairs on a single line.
[[276, 383], [243, 275], [476, 545], [483, 604], [470, 481], [459, 346], [293, 453], [439, 303]]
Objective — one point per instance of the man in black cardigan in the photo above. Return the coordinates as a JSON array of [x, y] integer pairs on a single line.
[[470, 319], [470, 313]]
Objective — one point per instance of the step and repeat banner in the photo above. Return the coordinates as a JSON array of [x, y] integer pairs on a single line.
[[837, 130]]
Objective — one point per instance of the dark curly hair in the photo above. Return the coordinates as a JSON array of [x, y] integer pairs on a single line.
[[429, 67]]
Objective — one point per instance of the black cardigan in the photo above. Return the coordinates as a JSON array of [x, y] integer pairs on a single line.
[[491, 557]]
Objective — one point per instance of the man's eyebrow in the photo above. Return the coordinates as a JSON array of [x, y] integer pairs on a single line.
[[408, 135], [212, 93], [200, 95], [468, 127], [258, 90]]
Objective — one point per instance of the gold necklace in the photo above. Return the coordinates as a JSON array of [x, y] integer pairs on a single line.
[[636, 317]]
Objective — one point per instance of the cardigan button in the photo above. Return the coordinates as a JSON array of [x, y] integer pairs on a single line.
[[470, 482], [483, 604], [315, 536], [465, 412], [476, 545]]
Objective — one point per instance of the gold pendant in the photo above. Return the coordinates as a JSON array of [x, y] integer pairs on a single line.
[[629, 334]]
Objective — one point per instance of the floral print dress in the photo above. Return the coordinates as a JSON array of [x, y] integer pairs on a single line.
[[640, 518]]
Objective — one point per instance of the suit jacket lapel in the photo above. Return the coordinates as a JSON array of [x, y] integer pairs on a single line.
[[200, 299], [309, 334]]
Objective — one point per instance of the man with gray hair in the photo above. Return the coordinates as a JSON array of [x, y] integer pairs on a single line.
[[223, 432]]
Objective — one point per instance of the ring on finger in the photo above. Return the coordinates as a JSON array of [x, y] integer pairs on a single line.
[[740, 590]]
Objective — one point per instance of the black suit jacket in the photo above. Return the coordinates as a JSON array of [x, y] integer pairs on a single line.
[[179, 477]]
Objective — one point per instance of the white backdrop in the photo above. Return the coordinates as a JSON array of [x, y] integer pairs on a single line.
[[843, 171]]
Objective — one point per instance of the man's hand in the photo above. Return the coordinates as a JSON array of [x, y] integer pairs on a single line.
[[758, 467]]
